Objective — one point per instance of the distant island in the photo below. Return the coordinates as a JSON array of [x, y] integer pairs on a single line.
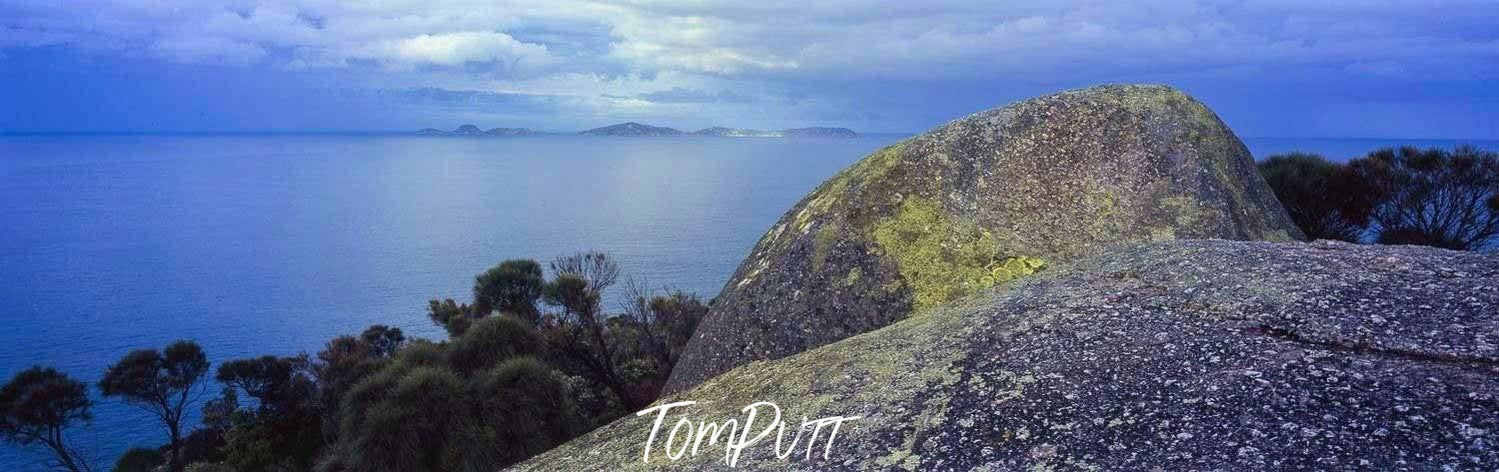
[[637, 129], [785, 133], [632, 129], [644, 130], [473, 130]]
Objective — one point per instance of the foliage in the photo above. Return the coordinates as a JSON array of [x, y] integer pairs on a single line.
[[452, 316], [528, 365], [595, 268], [203, 445], [37, 406], [520, 406], [1325, 199], [511, 287], [414, 416], [343, 362], [163, 383], [139, 459], [663, 324], [383, 340], [1433, 197], [490, 341], [284, 431]]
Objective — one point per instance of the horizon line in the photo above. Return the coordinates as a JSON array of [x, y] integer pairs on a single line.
[[566, 133]]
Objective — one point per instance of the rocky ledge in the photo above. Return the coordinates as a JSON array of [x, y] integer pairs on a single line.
[[1182, 355]]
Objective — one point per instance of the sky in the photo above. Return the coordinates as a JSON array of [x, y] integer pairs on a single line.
[[1276, 68]]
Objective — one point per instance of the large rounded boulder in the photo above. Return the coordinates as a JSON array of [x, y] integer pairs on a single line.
[[979, 202]]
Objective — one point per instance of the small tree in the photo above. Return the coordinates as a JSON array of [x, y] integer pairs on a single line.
[[1325, 199], [383, 340], [1433, 197], [596, 268], [163, 383], [578, 337], [664, 323], [451, 316], [37, 406], [511, 287], [285, 429]]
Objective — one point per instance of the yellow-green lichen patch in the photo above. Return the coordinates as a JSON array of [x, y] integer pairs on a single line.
[[1106, 223], [875, 165], [823, 199], [824, 202], [826, 236], [1187, 213], [1162, 233], [1278, 236], [1013, 267], [853, 276], [940, 259]]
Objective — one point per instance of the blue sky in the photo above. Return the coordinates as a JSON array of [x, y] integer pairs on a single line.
[[1270, 68]]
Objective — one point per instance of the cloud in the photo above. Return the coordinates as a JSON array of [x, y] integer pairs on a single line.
[[460, 48], [913, 61], [686, 95], [211, 50], [777, 39]]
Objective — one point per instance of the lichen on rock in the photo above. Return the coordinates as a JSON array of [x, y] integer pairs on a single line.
[[936, 217]]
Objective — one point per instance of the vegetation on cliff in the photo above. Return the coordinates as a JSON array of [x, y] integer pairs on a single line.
[[529, 363]]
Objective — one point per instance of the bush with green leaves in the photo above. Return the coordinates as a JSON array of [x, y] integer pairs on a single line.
[[478, 402], [491, 341], [512, 287]]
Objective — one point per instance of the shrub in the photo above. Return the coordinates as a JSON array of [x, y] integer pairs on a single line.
[[511, 287], [1433, 197], [139, 459], [491, 341], [1324, 199]]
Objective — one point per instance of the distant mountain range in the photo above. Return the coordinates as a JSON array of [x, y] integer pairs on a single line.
[[471, 130], [638, 129]]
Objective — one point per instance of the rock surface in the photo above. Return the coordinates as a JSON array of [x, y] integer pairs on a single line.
[[980, 201], [1183, 355]]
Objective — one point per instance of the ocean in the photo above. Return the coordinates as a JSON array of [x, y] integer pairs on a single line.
[[273, 244]]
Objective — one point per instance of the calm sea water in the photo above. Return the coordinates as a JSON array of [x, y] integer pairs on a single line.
[[273, 244]]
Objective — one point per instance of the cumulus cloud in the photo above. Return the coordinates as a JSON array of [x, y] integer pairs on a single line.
[[459, 48]]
